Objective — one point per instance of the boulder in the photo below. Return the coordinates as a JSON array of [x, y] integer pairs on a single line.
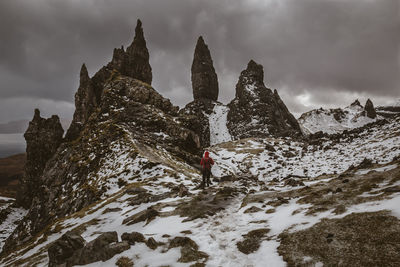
[[151, 243], [146, 215], [64, 248], [133, 237], [70, 250]]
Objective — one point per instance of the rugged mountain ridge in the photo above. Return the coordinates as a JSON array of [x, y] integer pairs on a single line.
[[274, 200], [337, 120], [134, 63], [127, 171], [62, 176]]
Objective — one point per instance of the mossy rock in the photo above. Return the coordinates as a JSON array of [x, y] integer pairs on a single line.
[[358, 239], [252, 240]]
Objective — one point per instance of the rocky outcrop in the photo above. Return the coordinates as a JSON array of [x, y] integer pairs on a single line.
[[63, 249], [137, 58], [369, 109], [85, 102], [132, 116], [256, 111], [71, 249], [43, 137], [195, 116], [134, 63], [356, 103], [204, 78]]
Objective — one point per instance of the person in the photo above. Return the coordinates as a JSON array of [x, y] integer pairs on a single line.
[[206, 164]]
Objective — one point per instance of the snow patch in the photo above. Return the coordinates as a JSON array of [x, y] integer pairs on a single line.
[[219, 132]]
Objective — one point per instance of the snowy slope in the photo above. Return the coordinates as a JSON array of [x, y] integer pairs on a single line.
[[334, 120], [12, 216], [247, 168], [219, 132]]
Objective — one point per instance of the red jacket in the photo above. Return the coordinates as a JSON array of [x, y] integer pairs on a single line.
[[206, 161]]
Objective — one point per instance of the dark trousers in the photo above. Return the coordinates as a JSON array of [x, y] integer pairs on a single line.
[[206, 177]]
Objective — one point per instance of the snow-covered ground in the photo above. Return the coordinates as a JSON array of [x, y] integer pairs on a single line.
[[324, 120], [291, 158], [10, 223], [254, 163], [219, 132]]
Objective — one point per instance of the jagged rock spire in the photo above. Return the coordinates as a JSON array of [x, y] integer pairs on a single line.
[[369, 109], [137, 65], [356, 103], [256, 110], [85, 102], [43, 137], [204, 78], [254, 73]]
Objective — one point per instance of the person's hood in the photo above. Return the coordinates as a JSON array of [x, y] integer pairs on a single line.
[[206, 154]]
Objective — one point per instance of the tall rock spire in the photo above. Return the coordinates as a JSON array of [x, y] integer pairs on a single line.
[[204, 78], [369, 109], [85, 101], [137, 65]]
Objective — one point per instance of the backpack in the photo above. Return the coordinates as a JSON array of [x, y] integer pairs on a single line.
[[207, 163]]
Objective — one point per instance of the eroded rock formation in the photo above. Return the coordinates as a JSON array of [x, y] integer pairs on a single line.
[[256, 110], [195, 115], [132, 116], [134, 63], [137, 58], [85, 102], [369, 109], [43, 137], [204, 78]]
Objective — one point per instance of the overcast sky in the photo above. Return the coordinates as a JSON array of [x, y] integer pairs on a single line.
[[316, 53]]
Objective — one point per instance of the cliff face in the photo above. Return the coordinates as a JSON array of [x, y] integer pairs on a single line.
[[43, 137], [256, 110], [85, 102]]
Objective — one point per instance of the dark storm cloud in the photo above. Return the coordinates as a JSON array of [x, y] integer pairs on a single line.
[[314, 51]]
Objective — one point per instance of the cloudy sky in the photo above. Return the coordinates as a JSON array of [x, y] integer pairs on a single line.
[[316, 53]]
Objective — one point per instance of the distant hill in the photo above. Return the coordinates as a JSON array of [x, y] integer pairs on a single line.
[[11, 168]]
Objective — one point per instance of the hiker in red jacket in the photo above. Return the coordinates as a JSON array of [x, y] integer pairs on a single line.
[[206, 164]]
